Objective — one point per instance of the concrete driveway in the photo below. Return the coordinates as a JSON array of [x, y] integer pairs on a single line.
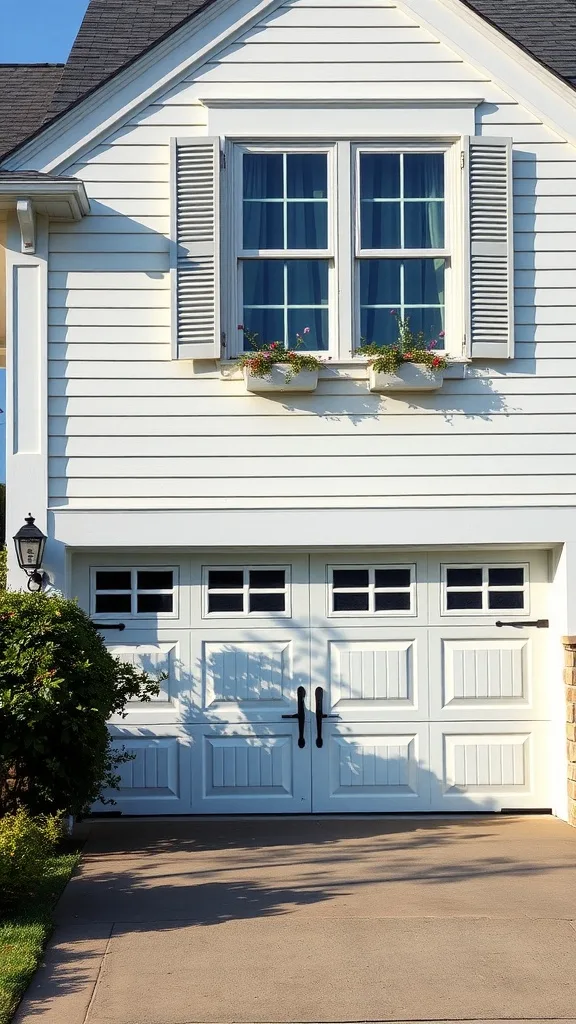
[[177, 921]]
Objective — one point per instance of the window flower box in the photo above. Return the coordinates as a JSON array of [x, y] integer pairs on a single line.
[[408, 377], [281, 377]]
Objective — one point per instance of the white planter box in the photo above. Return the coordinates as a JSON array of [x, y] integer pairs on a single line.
[[279, 380], [409, 377]]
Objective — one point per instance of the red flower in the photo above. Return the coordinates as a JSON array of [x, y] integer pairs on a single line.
[[407, 356]]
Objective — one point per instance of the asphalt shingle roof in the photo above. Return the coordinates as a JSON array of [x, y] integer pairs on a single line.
[[114, 33], [26, 91]]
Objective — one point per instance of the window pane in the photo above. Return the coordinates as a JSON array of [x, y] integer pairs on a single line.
[[380, 283], [350, 602], [424, 282], [154, 603], [463, 599], [464, 577], [380, 225], [157, 580], [392, 577], [263, 225], [307, 282], [307, 175], [378, 326], [429, 321], [225, 602], [424, 225], [113, 603], [316, 338], [350, 578], [113, 581], [263, 282], [263, 175], [379, 175], [225, 579], [501, 599], [267, 602], [506, 577], [389, 602], [307, 226], [272, 578], [266, 324], [424, 175]]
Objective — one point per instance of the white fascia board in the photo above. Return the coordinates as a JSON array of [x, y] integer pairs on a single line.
[[310, 528], [156, 72], [506, 64], [52, 198]]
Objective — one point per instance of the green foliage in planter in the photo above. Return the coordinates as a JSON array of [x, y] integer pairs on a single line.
[[410, 348], [58, 688], [3, 568], [263, 356], [26, 844]]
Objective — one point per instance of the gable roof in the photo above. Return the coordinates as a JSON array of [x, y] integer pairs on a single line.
[[115, 33]]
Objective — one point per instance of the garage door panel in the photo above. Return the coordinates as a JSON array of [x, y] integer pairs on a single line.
[[164, 656], [483, 766], [248, 675], [371, 768], [372, 674], [250, 770], [156, 778], [482, 674]]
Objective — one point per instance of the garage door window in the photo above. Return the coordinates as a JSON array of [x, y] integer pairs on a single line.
[[485, 588], [134, 592], [372, 590], [247, 590]]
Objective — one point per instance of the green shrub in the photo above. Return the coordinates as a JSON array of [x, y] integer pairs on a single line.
[[3, 568], [58, 688], [26, 844]]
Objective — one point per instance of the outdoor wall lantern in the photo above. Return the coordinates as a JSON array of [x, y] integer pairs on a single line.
[[30, 543]]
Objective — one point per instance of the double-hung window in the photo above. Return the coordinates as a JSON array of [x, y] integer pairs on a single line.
[[285, 257], [400, 245], [327, 245]]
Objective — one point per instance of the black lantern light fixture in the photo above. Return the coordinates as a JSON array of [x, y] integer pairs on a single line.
[[30, 543]]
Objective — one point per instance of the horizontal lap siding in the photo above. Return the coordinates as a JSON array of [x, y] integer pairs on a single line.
[[131, 428]]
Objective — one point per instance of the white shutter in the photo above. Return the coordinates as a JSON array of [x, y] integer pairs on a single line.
[[490, 327], [195, 248]]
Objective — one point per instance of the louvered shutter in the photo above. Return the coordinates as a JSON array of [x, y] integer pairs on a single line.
[[195, 247], [490, 330]]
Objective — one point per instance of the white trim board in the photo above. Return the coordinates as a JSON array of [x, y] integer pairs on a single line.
[[355, 120], [190, 47]]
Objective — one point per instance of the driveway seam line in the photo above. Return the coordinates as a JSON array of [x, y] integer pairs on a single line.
[[97, 978]]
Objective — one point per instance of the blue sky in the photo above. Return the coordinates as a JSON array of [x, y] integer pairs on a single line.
[[43, 35]]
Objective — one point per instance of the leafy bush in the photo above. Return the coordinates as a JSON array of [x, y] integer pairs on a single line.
[[26, 844], [58, 688]]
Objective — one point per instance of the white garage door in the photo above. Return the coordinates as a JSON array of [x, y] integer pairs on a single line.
[[343, 684]]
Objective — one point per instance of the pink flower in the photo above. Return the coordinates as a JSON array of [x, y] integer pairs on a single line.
[[393, 312], [274, 344], [306, 330], [442, 334], [240, 327], [433, 343]]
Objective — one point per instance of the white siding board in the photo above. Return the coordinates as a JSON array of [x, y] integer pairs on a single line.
[[127, 422]]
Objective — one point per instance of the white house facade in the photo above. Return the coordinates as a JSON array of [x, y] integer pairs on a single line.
[[355, 599]]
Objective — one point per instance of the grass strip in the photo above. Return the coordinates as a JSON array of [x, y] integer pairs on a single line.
[[26, 930]]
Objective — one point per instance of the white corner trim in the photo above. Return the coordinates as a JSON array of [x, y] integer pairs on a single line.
[[155, 72], [503, 61], [27, 222]]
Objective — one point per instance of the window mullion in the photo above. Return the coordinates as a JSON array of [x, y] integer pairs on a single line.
[[343, 213]]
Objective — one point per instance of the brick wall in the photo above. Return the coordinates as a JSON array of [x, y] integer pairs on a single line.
[[570, 686]]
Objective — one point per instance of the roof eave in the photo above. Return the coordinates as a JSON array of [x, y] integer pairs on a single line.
[[63, 199]]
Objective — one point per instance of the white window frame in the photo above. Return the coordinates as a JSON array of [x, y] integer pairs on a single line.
[[343, 252], [235, 345], [134, 591], [246, 591], [485, 589], [372, 590]]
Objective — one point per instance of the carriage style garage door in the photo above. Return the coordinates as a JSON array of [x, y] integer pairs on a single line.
[[349, 683]]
